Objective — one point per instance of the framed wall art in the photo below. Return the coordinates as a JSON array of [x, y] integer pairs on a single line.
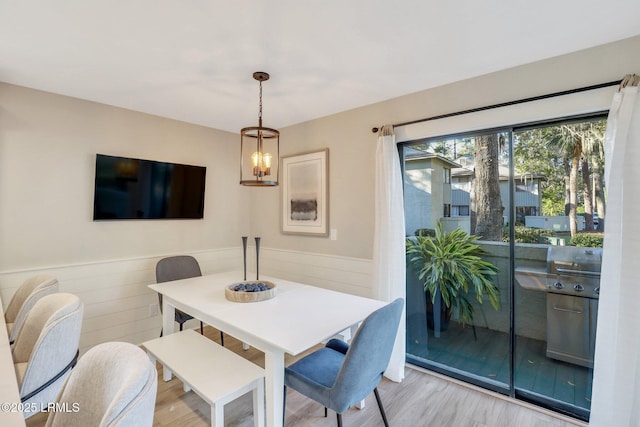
[[305, 193]]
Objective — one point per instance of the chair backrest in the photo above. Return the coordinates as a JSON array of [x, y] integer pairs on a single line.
[[368, 355], [114, 384], [176, 268], [25, 298], [47, 346]]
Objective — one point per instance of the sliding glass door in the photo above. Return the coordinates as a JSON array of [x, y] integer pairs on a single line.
[[555, 328], [480, 208], [459, 183]]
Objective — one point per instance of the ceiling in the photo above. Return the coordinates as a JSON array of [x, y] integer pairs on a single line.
[[193, 60]]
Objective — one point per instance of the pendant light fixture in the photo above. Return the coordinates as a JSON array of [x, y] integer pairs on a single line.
[[259, 149]]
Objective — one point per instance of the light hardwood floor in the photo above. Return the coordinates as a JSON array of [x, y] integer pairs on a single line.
[[422, 399]]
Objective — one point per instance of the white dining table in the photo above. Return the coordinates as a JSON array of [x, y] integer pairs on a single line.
[[10, 406], [299, 317]]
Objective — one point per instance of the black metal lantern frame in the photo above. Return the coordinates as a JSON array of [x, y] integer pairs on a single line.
[[259, 149]]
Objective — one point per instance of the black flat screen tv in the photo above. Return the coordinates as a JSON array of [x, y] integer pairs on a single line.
[[127, 188]]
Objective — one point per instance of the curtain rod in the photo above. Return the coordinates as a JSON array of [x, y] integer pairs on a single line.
[[509, 103]]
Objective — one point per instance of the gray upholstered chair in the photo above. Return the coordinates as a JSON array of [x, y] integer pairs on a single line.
[[114, 384], [46, 349], [176, 268], [340, 375], [23, 300]]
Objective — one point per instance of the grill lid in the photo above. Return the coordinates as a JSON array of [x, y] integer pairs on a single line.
[[573, 260]]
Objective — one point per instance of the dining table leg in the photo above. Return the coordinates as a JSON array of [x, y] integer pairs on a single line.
[[168, 327], [352, 332], [274, 386]]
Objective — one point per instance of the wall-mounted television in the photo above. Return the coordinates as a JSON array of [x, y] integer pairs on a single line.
[[127, 188]]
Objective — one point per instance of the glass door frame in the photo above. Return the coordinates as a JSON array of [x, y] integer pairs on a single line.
[[510, 388]]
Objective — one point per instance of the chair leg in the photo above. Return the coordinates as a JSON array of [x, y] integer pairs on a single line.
[[325, 412], [181, 324], [384, 416], [201, 329], [339, 419], [222, 338]]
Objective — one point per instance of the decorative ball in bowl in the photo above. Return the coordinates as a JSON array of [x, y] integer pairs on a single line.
[[250, 291]]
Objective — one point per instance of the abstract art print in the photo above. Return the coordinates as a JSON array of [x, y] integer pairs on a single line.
[[305, 193]]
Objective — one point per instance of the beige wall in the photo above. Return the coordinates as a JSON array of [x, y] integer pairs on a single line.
[[48, 142], [48, 145], [352, 144]]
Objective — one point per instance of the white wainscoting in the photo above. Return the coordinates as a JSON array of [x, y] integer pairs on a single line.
[[344, 274], [116, 297], [115, 293]]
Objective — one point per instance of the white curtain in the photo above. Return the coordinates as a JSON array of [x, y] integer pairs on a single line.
[[616, 382], [389, 271]]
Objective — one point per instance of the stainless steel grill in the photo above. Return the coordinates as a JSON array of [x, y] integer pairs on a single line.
[[573, 270], [573, 285]]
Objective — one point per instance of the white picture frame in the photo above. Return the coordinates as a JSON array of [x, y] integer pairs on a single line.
[[305, 193]]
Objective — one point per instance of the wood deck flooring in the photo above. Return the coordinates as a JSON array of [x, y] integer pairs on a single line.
[[421, 400], [486, 355]]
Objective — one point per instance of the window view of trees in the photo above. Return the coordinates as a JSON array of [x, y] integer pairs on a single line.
[[479, 186], [558, 174], [486, 202], [571, 157]]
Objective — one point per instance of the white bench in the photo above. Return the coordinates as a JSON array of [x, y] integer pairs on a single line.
[[215, 373]]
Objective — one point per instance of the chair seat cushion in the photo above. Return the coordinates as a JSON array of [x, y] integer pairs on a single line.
[[182, 317], [315, 374], [339, 375]]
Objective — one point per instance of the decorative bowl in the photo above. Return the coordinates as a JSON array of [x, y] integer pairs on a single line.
[[250, 296]]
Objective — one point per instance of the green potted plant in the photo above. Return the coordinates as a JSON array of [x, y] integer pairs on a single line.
[[449, 265]]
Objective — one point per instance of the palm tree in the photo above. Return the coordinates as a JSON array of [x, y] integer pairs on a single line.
[[593, 147], [579, 142], [565, 140]]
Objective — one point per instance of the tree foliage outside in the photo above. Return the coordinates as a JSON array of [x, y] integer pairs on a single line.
[[531, 156], [571, 156]]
